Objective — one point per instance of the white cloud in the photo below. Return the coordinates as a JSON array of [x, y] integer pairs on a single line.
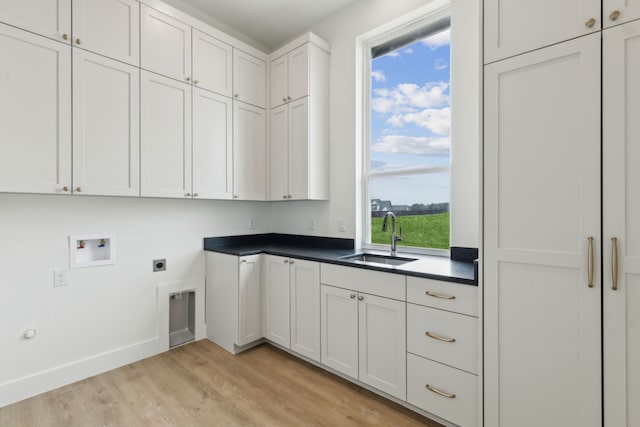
[[409, 97], [378, 76], [408, 50], [440, 64], [393, 54], [436, 120], [422, 146], [440, 39]]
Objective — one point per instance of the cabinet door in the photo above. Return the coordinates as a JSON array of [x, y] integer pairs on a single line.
[[339, 329], [212, 64], [516, 26], [298, 73], [249, 79], [108, 27], [279, 153], [250, 300], [616, 12], [279, 81], [165, 137], [621, 209], [249, 152], [305, 308], [212, 145], [542, 203], [106, 153], [165, 44], [299, 149], [35, 113], [383, 344], [50, 18], [276, 296]]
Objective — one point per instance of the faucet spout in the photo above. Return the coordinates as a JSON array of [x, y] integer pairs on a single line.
[[394, 238]]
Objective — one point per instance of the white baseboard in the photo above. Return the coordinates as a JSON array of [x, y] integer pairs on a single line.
[[40, 382]]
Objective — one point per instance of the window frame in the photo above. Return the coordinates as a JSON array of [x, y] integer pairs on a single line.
[[400, 29]]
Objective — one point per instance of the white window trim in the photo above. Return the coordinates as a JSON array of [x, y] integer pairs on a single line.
[[435, 11]]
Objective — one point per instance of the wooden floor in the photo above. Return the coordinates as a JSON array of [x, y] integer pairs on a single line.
[[200, 384]]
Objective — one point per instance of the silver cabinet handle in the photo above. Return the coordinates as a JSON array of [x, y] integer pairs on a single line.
[[352, 296], [440, 392], [286, 261], [78, 190], [614, 263], [196, 195], [188, 79], [290, 261], [590, 262], [360, 298], [78, 41], [439, 338], [65, 188], [244, 260], [442, 296], [187, 194], [284, 99], [65, 37]]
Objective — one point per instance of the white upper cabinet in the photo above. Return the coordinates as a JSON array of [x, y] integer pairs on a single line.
[[50, 18], [249, 152], [35, 113], [249, 79], [106, 135], [279, 153], [621, 221], [512, 27], [165, 136], [165, 45], [212, 64], [615, 12], [108, 27], [542, 294], [290, 76], [212, 145]]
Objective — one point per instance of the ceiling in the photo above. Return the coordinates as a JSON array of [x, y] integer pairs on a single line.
[[269, 22]]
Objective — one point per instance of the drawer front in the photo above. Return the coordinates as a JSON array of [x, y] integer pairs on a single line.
[[372, 282], [459, 404], [446, 337], [444, 295]]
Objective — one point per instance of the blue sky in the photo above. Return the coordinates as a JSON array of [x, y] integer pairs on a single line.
[[411, 121]]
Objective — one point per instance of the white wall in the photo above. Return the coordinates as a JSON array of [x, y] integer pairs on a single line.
[[341, 31], [106, 315]]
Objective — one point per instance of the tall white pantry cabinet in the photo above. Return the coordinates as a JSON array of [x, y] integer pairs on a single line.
[[562, 214]]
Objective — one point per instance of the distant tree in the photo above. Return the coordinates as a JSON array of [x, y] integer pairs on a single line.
[[417, 207]]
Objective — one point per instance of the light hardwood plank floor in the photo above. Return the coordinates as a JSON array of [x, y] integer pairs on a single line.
[[200, 384]]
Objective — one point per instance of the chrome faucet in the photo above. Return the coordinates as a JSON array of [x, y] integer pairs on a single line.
[[394, 238]]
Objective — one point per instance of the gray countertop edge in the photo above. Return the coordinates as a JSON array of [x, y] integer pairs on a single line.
[[464, 271]]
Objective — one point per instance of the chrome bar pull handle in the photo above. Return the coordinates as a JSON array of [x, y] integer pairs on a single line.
[[614, 263], [590, 263]]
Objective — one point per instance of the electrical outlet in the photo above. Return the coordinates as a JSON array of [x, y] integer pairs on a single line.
[[313, 224], [342, 227], [60, 278], [252, 224], [159, 264]]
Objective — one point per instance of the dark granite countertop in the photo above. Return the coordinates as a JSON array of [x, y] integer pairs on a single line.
[[332, 250]]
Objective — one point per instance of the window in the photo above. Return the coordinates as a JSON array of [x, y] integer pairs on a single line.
[[407, 151]]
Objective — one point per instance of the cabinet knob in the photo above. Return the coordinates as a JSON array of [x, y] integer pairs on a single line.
[[196, 195], [290, 261], [236, 95], [65, 37], [65, 188], [360, 298], [78, 190], [284, 99], [244, 260], [78, 41], [352, 296], [590, 23], [289, 196], [286, 261], [187, 194], [188, 79], [195, 82], [614, 15], [288, 98], [235, 196]]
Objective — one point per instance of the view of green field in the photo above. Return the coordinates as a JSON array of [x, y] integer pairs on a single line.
[[426, 231]]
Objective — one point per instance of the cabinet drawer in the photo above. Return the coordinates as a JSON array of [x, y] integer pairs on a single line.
[[460, 402], [452, 338], [387, 285], [444, 295]]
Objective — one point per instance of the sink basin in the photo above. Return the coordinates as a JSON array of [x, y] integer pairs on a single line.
[[378, 259]]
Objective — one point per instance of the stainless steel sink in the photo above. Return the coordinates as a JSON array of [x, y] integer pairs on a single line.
[[378, 259]]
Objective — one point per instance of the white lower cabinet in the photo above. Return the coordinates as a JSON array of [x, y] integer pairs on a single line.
[[363, 336], [444, 391], [233, 300], [292, 304]]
